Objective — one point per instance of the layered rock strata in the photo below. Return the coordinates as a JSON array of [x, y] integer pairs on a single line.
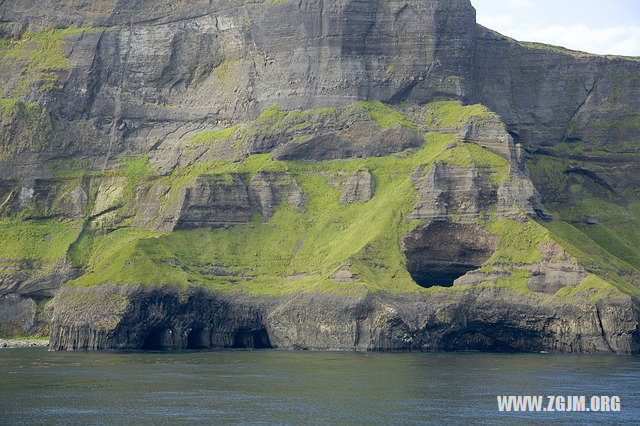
[[128, 119], [471, 319]]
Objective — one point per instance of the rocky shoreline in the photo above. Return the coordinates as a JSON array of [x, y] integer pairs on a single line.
[[474, 318]]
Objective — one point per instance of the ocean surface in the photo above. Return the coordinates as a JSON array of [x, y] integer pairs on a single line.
[[269, 386]]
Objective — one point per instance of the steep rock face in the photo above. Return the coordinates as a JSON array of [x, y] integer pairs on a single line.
[[452, 189], [158, 319], [209, 202], [447, 190], [491, 133], [44, 198], [206, 201], [21, 316], [153, 116], [549, 95], [268, 190], [574, 113], [493, 319], [519, 195], [148, 73], [554, 271], [31, 137], [226, 61], [359, 187], [42, 284], [359, 140]]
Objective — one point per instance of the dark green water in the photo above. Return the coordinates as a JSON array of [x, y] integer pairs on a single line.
[[37, 386]]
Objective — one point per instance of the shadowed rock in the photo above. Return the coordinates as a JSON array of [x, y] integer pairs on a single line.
[[438, 253], [473, 318]]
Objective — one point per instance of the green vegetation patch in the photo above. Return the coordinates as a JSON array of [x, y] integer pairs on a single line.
[[517, 281], [11, 106], [471, 155], [454, 114], [208, 136], [71, 169], [40, 54], [139, 166], [617, 229], [593, 287], [594, 257], [46, 240], [385, 116], [295, 250], [42, 50], [301, 250], [518, 242], [275, 120]]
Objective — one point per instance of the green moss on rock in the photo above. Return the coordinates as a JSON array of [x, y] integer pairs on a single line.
[[208, 136], [40, 55], [453, 114], [46, 240], [385, 116]]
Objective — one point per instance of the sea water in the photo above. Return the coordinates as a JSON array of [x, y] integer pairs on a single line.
[[271, 386]]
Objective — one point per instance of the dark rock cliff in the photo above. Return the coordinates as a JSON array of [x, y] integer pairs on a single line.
[[124, 122], [148, 72], [486, 319]]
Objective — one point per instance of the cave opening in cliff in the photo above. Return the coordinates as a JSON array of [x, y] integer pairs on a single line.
[[492, 337], [441, 252], [156, 339], [251, 339], [197, 339]]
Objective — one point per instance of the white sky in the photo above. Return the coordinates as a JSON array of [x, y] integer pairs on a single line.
[[596, 26]]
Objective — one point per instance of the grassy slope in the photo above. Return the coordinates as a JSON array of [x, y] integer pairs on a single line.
[[363, 237], [599, 228], [261, 258], [46, 240]]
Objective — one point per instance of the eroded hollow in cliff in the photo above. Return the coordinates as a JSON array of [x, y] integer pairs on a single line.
[[440, 252], [197, 339], [251, 339], [157, 339]]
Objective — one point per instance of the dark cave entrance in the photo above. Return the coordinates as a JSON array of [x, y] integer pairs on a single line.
[[440, 252], [197, 339], [251, 339], [156, 339], [493, 337]]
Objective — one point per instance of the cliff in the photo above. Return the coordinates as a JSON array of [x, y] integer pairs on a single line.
[[324, 174]]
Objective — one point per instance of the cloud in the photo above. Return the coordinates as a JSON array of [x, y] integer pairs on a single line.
[[612, 40], [522, 4], [496, 22], [615, 40]]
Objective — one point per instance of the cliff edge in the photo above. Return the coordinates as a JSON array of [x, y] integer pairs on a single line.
[[320, 174]]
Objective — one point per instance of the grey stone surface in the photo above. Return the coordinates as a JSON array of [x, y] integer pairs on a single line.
[[268, 190], [150, 74], [359, 187], [211, 202], [447, 190], [476, 318]]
